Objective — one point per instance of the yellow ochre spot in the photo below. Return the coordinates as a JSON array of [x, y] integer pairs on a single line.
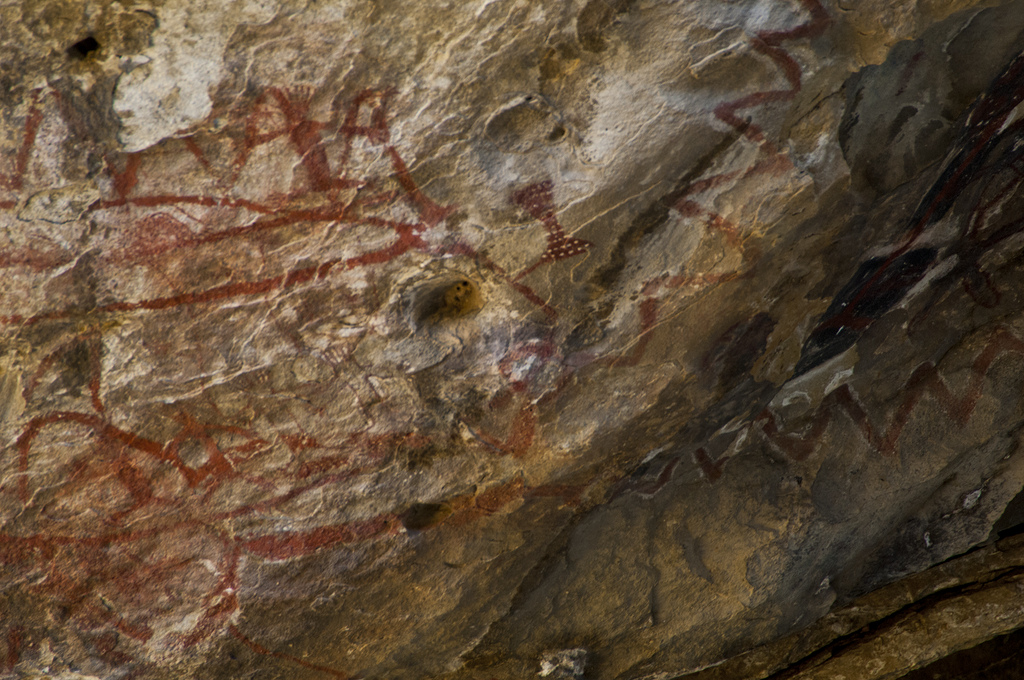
[[461, 298]]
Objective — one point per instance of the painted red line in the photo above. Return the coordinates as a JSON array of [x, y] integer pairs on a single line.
[[294, 544], [95, 423], [768, 43], [648, 322], [226, 291], [191, 145], [924, 381], [138, 631], [125, 180], [431, 213], [35, 117]]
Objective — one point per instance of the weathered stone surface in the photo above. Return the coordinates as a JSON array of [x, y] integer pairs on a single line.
[[604, 339], [901, 627]]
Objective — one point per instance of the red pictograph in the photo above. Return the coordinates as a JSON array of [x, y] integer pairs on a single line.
[[155, 547], [143, 494], [277, 114], [770, 44], [14, 181], [133, 534], [538, 200], [522, 366], [770, 162], [924, 382], [159, 544], [152, 548]]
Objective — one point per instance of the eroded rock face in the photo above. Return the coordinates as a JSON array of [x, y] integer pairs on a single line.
[[600, 340]]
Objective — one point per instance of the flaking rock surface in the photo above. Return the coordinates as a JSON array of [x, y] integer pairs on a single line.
[[602, 339]]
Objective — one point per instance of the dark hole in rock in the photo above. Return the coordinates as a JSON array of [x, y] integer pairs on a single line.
[[425, 515], [557, 133], [448, 298], [83, 48]]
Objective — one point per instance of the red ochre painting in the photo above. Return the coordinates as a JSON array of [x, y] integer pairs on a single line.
[[136, 538], [136, 533], [131, 527], [133, 537]]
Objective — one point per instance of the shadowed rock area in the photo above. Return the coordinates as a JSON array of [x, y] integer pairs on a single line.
[[609, 339]]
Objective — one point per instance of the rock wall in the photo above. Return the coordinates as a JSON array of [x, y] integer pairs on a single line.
[[607, 339]]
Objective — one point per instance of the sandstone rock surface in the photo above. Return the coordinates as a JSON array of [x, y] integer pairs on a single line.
[[604, 339]]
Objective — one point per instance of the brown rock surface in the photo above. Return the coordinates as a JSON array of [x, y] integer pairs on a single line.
[[605, 339], [958, 606]]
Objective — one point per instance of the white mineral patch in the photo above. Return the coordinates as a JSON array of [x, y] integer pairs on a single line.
[[816, 384], [172, 90]]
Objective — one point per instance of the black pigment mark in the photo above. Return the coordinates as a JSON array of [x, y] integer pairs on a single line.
[[874, 289]]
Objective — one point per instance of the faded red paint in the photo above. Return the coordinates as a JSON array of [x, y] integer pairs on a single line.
[[538, 200], [924, 381], [155, 499], [15, 180], [771, 163], [297, 543], [770, 43]]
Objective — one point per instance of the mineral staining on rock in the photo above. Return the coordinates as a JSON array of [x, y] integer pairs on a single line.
[[605, 340]]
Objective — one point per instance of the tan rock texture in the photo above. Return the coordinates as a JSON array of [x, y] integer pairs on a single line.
[[899, 630], [601, 339]]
